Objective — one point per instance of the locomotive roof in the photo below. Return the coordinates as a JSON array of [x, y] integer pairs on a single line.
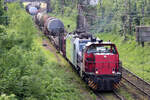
[[90, 43]]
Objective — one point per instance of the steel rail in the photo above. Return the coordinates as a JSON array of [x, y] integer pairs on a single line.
[[141, 90], [117, 95], [130, 77], [100, 96], [136, 76]]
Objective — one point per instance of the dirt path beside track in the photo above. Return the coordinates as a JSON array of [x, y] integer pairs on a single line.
[[51, 48]]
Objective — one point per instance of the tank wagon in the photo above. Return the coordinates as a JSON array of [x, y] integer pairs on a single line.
[[53, 28], [50, 25], [96, 61], [32, 9]]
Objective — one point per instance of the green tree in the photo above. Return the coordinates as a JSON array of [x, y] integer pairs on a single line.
[[2, 19]]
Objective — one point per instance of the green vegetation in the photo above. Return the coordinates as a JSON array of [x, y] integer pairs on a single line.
[[134, 57], [5, 97], [27, 70], [127, 95], [2, 19], [66, 11], [120, 16]]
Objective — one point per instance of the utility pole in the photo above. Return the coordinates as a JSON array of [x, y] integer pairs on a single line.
[[143, 18], [62, 2], [100, 3], [82, 23], [102, 9], [117, 4], [125, 19], [48, 5], [130, 19], [143, 13]]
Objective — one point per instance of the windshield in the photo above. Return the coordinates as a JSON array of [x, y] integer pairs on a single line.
[[81, 46], [102, 49]]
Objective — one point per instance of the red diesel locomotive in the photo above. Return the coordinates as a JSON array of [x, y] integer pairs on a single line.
[[97, 61]]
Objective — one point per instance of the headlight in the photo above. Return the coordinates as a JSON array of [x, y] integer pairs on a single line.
[[96, 72], [113, 72]]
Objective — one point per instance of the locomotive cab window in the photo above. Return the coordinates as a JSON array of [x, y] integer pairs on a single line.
[[106, 49]]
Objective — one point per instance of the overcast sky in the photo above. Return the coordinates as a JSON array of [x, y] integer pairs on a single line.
[[94, 2]]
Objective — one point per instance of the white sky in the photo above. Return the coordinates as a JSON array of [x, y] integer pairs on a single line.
[[94, 2]]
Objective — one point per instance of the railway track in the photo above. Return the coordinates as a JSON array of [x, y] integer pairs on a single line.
[[137, 82], [100, 96], [114, 94], [117, 95]]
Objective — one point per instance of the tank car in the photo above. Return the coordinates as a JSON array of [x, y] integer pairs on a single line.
[[50, 25], [53, 26], [32, 10], [39, 18]]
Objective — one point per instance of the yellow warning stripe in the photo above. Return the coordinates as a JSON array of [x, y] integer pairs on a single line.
[[95, 87], [116, 86], [91, 83]]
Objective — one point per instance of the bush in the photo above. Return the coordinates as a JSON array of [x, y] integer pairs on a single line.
[[5, 97], [2, 19]]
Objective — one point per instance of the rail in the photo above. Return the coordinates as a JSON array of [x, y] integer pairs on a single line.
[[100, 96], [136, 81], [117, 95]]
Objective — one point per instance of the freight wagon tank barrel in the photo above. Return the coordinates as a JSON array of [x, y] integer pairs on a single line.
[[50, 25], [32, 10], [55, 26], [42, 18]]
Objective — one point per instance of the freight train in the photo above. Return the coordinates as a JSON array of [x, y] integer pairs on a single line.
[[96, 61]]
